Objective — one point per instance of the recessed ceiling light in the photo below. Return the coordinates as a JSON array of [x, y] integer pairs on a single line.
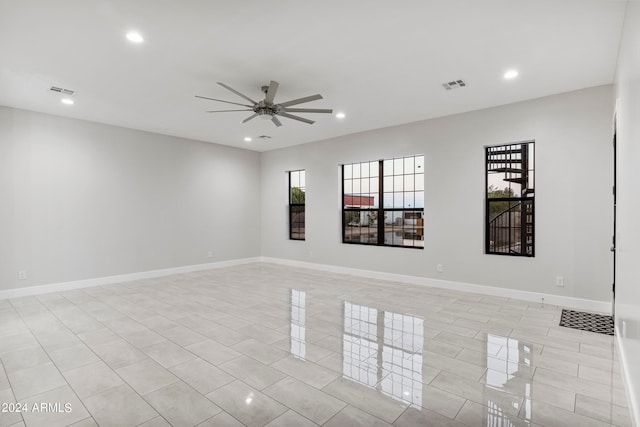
[[340, 116], [511, 74], [67, 101], [247, 139], [135, 37]]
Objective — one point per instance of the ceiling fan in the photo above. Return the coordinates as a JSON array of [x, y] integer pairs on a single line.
[[267, 109]]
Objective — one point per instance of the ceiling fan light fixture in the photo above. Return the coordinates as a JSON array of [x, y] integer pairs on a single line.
[[265, 113]]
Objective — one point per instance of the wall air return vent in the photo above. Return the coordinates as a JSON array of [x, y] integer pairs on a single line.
[[454, 84], [62, 90]]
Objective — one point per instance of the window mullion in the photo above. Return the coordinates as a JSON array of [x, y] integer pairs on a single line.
[[380, 202], [344, 215]]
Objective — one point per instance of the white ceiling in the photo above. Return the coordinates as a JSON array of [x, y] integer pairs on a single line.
[[381, 62]]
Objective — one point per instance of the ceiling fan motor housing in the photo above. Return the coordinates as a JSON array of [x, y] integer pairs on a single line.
[[266, 110]]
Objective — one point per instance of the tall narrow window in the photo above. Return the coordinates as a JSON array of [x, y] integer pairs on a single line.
[[510, 213], [383, 202], [296, 204]]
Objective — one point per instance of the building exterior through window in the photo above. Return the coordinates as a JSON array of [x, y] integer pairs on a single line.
[[510, 199], [383, 202]]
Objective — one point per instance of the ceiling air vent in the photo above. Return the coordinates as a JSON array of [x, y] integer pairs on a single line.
[[62, 90], [264, 137], [454, 84]]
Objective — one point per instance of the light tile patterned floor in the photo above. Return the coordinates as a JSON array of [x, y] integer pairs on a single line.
[[262, 344]]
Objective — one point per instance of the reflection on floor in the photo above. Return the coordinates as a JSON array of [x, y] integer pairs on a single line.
[[384, 349], [262, 344], [297, 323]]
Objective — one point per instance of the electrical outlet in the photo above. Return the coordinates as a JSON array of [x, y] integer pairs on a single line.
[[22, 275], [209, 254], [560, 281], [439, 268]]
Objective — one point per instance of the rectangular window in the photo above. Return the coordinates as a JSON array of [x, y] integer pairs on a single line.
[[296, 204], [510, 203], [383, 202]]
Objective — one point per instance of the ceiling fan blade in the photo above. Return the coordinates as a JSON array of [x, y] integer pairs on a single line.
[[301, 100], [249, 118], [237, 93], [221, 100], [308, 110], [226, 111], [300, 119], [275, 121], [271, 92]]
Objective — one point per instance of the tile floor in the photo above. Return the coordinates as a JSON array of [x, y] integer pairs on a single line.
[[262, 344]]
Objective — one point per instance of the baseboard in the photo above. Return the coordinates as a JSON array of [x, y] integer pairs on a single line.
[[568, 302], [98, 281], [626, 355]]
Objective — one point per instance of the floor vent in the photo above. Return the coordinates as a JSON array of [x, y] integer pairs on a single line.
[[62, 90], [584, 321], [455, 84]]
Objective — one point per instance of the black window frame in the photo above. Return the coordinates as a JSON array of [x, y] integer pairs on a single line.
[[504, 231], [381, 227], [297, 210]]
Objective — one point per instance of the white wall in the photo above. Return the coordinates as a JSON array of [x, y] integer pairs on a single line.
[[573, 196], [628, 218], [83, 200]]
